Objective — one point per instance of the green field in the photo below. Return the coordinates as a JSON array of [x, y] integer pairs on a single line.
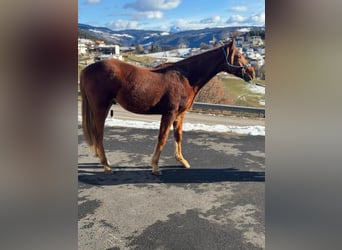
[[238, 92]]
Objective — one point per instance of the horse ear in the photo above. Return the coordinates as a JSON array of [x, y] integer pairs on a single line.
[[232, 48], [233, 42]]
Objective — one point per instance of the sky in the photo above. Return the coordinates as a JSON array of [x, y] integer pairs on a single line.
[[166, 15]]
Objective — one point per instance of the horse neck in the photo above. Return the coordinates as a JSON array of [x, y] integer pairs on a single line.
[[201, 68]]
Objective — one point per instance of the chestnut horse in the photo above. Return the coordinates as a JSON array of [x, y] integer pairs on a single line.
[[168, 90]]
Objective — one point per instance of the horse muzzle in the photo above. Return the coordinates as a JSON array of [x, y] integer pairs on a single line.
[[248, 73]]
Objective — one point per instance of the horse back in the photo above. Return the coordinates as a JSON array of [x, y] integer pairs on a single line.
[[138, 89]]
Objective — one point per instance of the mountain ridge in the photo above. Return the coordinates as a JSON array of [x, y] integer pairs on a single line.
[[189, 38]]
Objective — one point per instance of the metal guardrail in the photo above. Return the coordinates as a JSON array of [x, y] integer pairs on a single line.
[[242, 109], [220, 107]]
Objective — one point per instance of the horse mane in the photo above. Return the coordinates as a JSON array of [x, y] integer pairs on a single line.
[[166, 66]]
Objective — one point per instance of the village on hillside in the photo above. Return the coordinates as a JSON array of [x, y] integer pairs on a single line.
[[90, 51]]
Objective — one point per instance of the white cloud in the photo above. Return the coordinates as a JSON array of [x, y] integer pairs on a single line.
[[258, 18], [122, 25], [254, 19], [236, 19], [153, 5], [214, 19], [185, 24], [239, 8], [151, 9], [92, 1], [153, 14], [189, 24]]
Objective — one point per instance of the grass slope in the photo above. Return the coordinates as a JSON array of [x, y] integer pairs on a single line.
[[240, 93]]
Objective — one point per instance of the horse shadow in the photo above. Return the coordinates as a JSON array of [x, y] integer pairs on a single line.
[[92, 174]]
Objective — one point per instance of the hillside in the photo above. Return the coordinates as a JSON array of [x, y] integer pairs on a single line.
[[190, 38]]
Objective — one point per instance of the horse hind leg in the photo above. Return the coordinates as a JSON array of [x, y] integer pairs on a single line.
[[178, 134], [100, 118]]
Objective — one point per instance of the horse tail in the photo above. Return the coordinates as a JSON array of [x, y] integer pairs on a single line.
[[89, 129]]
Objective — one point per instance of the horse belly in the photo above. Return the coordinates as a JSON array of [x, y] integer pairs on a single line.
[[139, 102]]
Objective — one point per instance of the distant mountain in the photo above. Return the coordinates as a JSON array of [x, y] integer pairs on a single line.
[[175, 29], [190, 38]]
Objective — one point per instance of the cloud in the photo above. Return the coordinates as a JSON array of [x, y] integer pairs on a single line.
[[185, 24], [151, 9], [236, 19], [214, 19], [238, 8], [122, 25], [153, 5], [254, 19], [152, 14], [188, 24], [92, 1], [258, 18]]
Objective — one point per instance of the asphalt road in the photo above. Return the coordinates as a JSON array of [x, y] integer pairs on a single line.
[[216, 204]]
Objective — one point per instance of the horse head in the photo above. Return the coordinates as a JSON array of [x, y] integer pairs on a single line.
[[236, 63]]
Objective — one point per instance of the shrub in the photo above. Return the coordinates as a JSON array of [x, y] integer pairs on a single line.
[[213, 92]]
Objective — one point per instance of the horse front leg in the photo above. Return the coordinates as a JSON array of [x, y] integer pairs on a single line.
[[178, 134], [164, 130]]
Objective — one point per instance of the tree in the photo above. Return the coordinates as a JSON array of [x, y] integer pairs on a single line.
[[156, 48], [204, 46], [262, 72], [139, 49]]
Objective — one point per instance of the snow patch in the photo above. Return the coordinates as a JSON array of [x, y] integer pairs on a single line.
[[245, 130], [256, 88]]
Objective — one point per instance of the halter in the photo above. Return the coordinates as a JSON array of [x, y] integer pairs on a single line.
[[231, 65], [235, 66]]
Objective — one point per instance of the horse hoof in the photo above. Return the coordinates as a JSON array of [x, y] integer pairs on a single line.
[[108, 171], [182, 161], [156, 173], [186, 165]]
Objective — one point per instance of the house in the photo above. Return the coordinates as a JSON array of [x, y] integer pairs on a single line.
[[261, 50], [99, 42], [128, 49], [82, 49], [239, 41], [108, 51], [256, 41]]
